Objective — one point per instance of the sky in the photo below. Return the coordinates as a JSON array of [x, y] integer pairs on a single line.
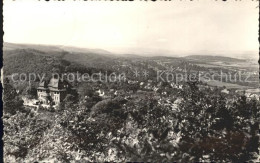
[[172, 28]]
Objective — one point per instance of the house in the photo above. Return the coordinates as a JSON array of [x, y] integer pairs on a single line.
[[252, 95], [100, 92], [148, 86], [119, 92], [173, 85], [150, 81], [225, 91], [29, 102], [52, 91], [155, 88]]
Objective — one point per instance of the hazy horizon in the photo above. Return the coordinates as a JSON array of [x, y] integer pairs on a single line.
[[104, 51], [168, 28]]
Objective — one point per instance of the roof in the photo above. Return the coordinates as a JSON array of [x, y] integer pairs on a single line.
[[43, 84], [54, 84]]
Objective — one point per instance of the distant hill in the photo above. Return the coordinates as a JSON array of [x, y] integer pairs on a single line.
[[208, 58], [24, 58], [56, 48], [83, 56], [86, 50], [163, 57], [30, 61], [12, 46]]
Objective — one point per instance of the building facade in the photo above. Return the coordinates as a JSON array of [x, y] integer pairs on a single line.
[[53, 91]]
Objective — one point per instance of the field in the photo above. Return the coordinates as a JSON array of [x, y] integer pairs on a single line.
[[227, 85], [229, 65]]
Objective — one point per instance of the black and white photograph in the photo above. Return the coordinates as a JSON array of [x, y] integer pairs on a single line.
[[130, 81]]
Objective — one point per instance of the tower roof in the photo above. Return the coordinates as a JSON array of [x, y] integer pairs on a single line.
[[54, 84]]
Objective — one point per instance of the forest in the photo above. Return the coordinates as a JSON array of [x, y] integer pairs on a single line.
[[206, 125]]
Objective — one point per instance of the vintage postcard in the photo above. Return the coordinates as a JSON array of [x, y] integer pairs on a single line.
[[131, 81]]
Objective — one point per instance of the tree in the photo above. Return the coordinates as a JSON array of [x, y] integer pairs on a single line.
[[30, 92], [22, 132], [12, 103], [69, 100], [212, 126]]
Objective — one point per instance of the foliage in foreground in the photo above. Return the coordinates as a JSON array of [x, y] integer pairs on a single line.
[[205, 125]]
